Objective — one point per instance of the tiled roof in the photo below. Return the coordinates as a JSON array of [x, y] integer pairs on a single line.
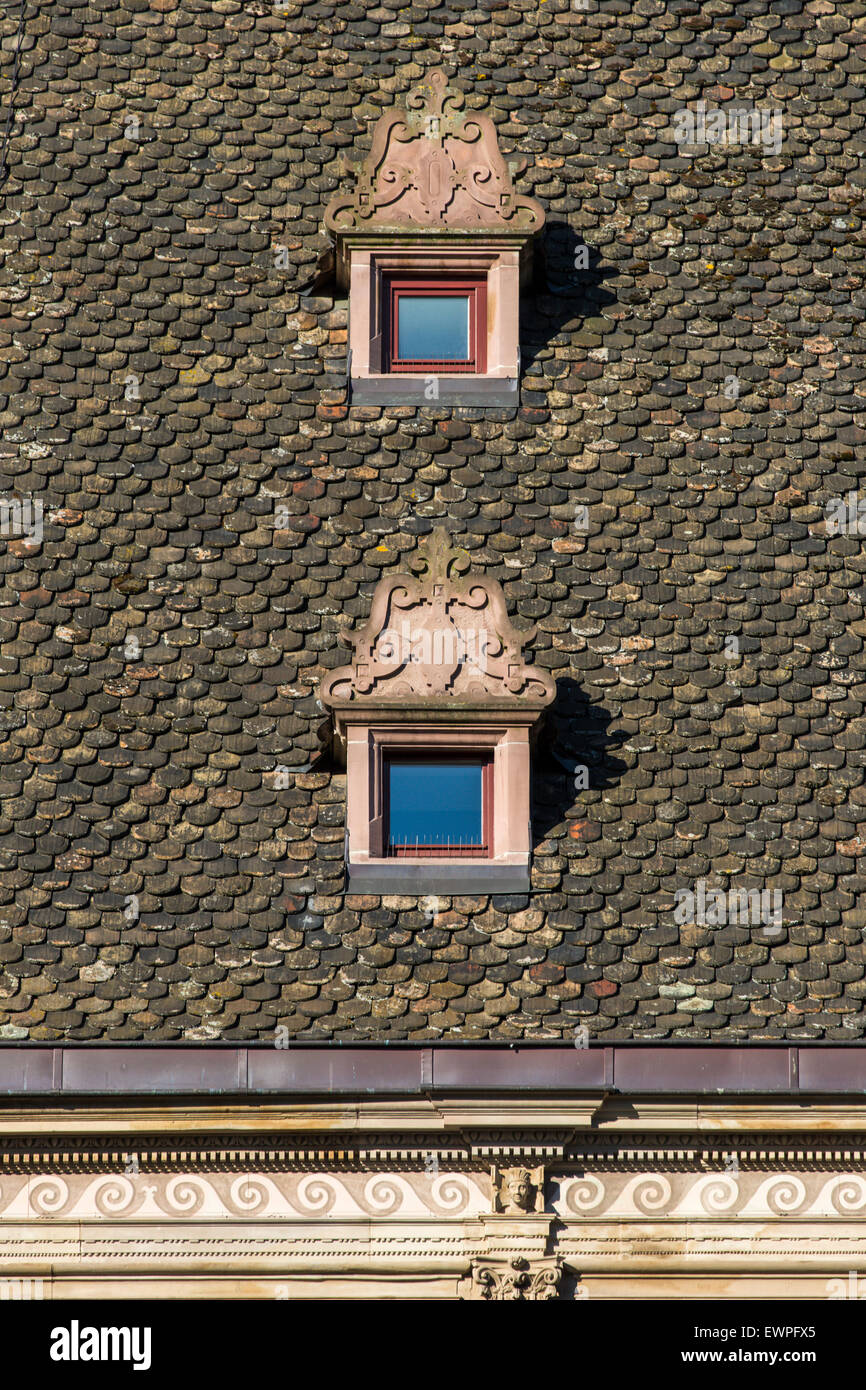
[[699, 389]]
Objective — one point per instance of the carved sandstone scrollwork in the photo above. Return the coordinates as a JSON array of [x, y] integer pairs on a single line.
[[688, 1196], [433, 164], [509, 1280], [437, 633], [259, 1196]]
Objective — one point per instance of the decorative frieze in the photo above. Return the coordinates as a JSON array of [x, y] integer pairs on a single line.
[[361, 1211], [685, 1196], [258, 1196]]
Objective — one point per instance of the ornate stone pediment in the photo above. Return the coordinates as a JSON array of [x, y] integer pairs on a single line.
[[432, 164], [438, 635]]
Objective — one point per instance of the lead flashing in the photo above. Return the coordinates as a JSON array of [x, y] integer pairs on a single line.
[[37, 1070]]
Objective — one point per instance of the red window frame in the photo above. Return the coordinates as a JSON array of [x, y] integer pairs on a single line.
[[444, 286], [449, 851]]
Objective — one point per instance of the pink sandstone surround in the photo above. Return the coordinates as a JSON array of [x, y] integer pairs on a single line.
[[435, 197], [437, 667]]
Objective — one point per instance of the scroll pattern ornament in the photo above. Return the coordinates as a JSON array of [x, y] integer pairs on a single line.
[[636, 1197], [432, 164], [114, 1196], [253, 1196], [423, 630], [580, 1195], [847, 1193], [749, 1196]]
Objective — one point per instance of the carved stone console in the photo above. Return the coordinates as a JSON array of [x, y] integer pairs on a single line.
[[509, 1280]]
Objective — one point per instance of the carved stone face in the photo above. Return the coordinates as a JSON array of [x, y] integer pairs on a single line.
[[518, 1190]]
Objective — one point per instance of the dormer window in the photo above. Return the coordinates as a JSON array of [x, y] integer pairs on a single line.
[[436, 325], [434, 717], [433, 247], [438, 807]]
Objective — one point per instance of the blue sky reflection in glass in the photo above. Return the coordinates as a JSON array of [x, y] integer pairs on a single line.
[[435, 803], [433, 327]]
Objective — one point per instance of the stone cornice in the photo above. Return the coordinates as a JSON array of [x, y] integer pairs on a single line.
[[410, 1134]]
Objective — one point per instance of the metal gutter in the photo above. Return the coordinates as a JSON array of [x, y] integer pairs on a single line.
[[140, 1069]]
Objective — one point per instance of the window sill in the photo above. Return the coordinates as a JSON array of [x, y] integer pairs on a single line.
[[420, 878], [459, 389]]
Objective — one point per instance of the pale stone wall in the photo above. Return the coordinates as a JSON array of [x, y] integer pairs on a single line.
[[530, 1200]]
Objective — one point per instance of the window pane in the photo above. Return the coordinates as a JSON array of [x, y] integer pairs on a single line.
[[435, 803], [433, 327]]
